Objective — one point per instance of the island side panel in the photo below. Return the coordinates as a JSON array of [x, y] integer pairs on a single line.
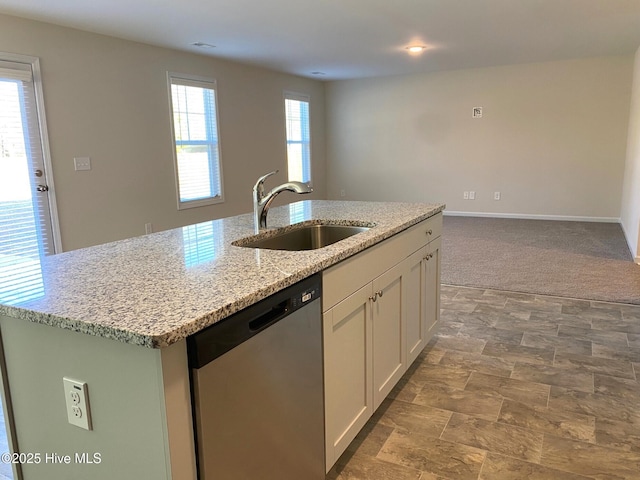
[[177, 395], [126, 396]]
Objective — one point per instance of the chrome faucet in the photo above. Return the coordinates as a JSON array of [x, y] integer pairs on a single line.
[[262, 202]]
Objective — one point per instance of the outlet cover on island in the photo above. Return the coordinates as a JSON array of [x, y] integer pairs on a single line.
[[496, 195], [472, 195], [77, 401], [465, 195]]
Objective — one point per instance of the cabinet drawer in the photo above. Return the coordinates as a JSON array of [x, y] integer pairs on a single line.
[[422, 233]]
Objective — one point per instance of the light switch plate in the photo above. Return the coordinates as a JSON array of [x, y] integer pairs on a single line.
[[82, 163], [77, 401]]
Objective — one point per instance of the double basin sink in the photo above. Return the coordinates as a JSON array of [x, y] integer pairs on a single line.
[[303, 237]]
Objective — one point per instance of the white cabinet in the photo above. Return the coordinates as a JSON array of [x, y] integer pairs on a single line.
[[388, 325], [380, 308], [422, 288], [431, 287], [347, 371], [416, 329], [364, 351]]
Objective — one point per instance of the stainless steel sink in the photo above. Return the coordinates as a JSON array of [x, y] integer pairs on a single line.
[[308, 237]]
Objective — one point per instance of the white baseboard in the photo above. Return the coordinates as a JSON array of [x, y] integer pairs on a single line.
[[528, 216]]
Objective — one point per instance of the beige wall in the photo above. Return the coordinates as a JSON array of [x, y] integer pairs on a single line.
[[552, 138], [107, 98], [630, 216]]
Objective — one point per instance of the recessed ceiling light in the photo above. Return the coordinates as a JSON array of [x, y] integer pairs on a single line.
[[416, 49], [203, 45]]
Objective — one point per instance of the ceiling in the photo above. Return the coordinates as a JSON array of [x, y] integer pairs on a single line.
[[359, 38]]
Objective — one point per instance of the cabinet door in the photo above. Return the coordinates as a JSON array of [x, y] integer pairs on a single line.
[[347, 371], [415, 308], [432, 287], [388, 332]]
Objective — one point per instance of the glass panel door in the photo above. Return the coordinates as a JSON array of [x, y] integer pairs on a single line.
[[25, 213]]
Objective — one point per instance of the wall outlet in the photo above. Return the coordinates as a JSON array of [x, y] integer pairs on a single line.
[[148, 228], [82, 163], [496, 195], [472, 195], [342, 193], [77, 400], [465, 195]]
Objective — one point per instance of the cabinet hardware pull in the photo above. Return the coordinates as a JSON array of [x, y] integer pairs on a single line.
[[374, 297], [42, 188], [431, 255], [429, 232], [380, 293]]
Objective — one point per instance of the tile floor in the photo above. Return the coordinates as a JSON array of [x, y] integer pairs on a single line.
[[513, 386]]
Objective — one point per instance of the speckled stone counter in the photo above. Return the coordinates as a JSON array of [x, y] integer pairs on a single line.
[[157, 289]]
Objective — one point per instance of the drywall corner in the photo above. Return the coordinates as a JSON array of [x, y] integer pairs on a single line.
[[630, 208]]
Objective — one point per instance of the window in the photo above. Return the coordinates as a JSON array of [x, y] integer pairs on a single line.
[[298, 136], [195, 134]]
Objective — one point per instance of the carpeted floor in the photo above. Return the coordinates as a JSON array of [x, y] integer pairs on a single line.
[[566, 259]]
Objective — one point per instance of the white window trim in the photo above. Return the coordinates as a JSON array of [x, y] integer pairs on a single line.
[[196, 81], [44, 138], [301, 97]]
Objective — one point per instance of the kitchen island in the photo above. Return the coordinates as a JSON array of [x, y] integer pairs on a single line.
[[123, 311]]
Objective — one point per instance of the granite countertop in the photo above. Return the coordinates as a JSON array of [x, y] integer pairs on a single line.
[[157, 289]]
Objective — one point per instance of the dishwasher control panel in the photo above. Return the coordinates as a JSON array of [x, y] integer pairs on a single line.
[[305, 297]]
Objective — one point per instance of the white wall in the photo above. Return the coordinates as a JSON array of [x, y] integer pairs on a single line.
[[630, 215], [107, 98], [552, 138]]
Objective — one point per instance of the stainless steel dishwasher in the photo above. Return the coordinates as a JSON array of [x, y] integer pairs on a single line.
[[257, 390]]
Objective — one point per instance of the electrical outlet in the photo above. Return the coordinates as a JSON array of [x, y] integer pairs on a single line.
[[76, 397], [472, 195], [465, 195], [342, 193], [496, 195], [148, 228]]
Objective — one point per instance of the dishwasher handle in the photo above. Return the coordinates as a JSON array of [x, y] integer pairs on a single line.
[[263, 320], [221, 337]]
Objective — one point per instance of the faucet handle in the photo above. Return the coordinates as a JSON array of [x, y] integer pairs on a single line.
[[259, 186]]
